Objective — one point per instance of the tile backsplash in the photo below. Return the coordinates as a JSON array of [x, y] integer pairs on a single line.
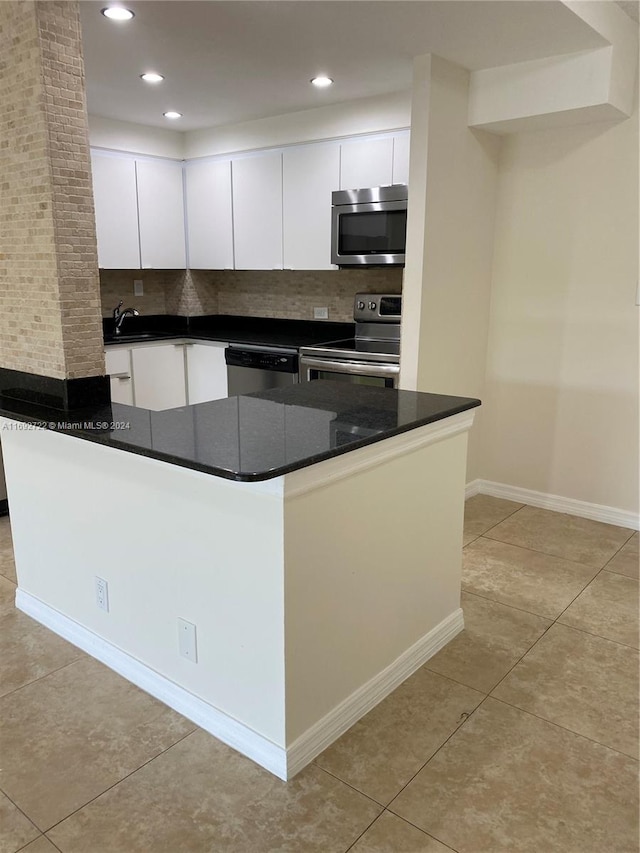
[[289, 294], [116, 285]]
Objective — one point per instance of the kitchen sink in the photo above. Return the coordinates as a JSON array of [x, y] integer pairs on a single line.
[[125, 337]]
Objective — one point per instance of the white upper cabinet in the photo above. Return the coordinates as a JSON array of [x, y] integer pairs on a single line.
[[310, 174], [209, 215], [116, 205], [264, 211], [161, 214], [401, 158], [257, 211], [366, 163]]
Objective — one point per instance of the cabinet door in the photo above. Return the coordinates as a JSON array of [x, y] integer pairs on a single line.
[[161, 214], [401, 158], [366, 163], [310, 173], [206, 372], [158, 376], [209, 215], [116, 205], [118, 362], [257, 211]]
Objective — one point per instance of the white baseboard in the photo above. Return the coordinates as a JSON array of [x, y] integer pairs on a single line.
[[571, 506], [282, 763], [472, 488], [323, 733], [235, 734]]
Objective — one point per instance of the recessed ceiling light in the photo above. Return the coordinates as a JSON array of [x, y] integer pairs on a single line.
[[321, 82], [118, 13], [172, 114], [152, 77]]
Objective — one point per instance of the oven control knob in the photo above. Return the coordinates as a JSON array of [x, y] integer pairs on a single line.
[[361, 306], [372, 306]]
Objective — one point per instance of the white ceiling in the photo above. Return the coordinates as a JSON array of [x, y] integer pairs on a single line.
[[227, 62]]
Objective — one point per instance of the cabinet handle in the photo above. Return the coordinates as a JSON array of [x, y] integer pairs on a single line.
[[121, 376]]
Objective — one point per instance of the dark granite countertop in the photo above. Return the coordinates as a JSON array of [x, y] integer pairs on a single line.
[[256, 436], [228, 328]]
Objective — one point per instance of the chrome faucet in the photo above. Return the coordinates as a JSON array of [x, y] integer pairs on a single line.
[[118, 316]]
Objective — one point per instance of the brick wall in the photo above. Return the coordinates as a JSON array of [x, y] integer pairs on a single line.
[[49, 290], [294, 294], [269, 293], [116, 285]]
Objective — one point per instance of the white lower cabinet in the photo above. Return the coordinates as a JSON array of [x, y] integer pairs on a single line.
[[118, 362], [167, 376], [158, 376], [206, 372]]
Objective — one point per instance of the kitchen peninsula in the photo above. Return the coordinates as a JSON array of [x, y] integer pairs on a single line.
[[307, 541]]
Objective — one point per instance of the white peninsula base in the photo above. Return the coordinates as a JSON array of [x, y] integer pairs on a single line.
[[314, 594]]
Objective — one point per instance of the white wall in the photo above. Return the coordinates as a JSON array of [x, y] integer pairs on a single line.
[[542, 93], [553, 91], [447, 279], [561, 413], [169, 542], [366, 115], [372, 565], [621, 32], [136, 138]]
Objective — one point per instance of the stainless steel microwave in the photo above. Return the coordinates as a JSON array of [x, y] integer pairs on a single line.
[[369, 226]]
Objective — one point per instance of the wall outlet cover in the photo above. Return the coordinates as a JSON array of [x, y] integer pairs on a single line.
[[138, 287], [187, 640], [102, 594], [320, 313]]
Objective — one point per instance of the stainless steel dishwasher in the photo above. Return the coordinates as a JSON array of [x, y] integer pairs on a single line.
[[259, 368]]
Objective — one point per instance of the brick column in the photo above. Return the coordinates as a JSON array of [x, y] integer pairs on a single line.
[[50, 317]]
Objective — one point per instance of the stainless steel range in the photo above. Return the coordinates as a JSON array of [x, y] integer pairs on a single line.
[[372, 357]]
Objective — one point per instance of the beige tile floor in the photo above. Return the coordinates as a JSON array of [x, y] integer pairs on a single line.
[[521, 736]]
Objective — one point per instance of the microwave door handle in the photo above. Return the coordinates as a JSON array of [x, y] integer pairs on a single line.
[[354, 368]]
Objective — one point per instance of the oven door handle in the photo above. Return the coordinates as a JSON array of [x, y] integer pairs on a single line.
[[355, 368]]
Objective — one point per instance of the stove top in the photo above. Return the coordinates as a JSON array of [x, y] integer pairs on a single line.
[[357, 349], [377, 337]]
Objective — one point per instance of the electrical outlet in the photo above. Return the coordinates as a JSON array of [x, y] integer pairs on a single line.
[[187, 640], [320, 313], [102, 594], [138, 287]]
